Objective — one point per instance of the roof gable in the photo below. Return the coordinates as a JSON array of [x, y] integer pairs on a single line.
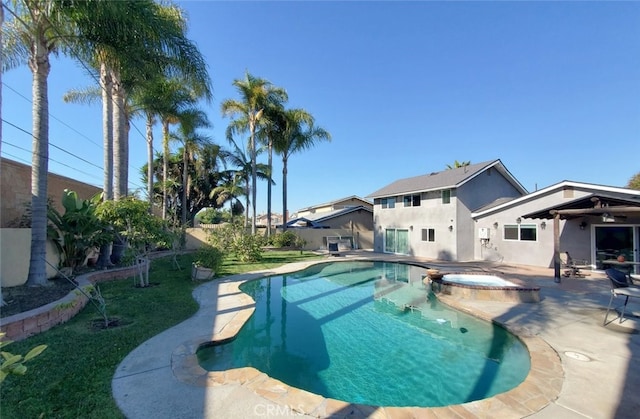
[[446, 179], [611, 192]]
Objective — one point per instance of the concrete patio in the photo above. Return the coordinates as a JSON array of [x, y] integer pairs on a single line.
[[582, 369]]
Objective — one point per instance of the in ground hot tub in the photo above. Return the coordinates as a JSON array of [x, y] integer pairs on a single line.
[[484, 287]]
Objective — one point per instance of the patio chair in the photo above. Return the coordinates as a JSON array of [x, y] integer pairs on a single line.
[[333, 249], [622, 286], [573, 267]]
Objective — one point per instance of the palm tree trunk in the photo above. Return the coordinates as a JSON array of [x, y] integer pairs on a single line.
[[2, 303], [185, 175], [107, 130], [246, 211], [118, 137], [150, 160], [284, 193], [40, 67], [254, 177], [270, 167], [165, 165]]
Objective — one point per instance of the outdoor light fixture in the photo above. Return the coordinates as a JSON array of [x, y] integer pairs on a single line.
[[495, 225], [518, 220], [450, 228], [543, 225], [583, 225], [411, 228], [608, 218]]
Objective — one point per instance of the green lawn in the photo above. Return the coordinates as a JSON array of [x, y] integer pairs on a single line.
[[72, 377]]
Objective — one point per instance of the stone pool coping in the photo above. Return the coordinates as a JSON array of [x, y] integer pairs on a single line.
[[541, 386]]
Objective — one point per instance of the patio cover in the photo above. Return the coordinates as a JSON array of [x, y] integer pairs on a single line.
[[594, 205]]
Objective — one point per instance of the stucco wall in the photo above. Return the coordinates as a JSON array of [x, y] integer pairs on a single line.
[[15, 185], [15, 251], [539, 252]]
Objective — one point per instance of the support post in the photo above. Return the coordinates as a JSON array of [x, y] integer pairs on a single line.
[[556, 246]]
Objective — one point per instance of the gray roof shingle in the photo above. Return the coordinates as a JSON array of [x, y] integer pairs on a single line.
[[449, 178]]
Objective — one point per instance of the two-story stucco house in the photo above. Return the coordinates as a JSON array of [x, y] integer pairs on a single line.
[[430, 215], [481, 212]]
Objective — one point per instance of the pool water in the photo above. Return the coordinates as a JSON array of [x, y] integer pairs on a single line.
[[365, 332]]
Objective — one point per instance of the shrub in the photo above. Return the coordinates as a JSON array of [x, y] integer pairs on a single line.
[[245, 246], [286, 239], [208, 256]]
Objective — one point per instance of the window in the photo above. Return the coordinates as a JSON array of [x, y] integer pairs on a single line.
[[388, 202], [521, 232], [428, 235], [446, 196], [411, 200]]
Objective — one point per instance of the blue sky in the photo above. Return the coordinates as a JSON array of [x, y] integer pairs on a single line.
[[405, 88]]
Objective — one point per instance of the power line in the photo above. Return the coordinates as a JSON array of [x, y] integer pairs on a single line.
[[76, 56], [54, 146], [52, 116], [53, 160], [63, 150]]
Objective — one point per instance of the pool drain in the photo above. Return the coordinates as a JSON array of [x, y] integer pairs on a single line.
[[578, 356]]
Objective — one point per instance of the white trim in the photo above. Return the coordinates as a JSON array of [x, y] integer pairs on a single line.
[[548, 189]]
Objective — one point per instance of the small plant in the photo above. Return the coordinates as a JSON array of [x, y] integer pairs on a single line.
[[14, 364], [208, 256], [285, 239]]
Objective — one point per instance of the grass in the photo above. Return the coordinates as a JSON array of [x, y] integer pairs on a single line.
[[72, 377]]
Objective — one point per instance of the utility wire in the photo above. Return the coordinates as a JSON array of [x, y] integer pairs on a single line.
[[53, 160], [76, 56], [52, 116], [55, 146]]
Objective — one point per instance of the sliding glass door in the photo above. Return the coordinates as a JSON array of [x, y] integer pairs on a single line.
[[614, 241], [396, 241]]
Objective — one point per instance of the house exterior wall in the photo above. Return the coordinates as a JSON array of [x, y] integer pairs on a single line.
[[15, 185], [477, 192], [540, 252], [360, 220], [431, 214], [453, 243]]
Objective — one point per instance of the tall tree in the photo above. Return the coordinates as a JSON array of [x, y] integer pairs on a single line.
[[32, 35], [634, 182], [297, 133], [272, 118], [255, 95], [190, 121]]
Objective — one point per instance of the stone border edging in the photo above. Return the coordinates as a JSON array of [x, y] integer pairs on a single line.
[[29, 323]]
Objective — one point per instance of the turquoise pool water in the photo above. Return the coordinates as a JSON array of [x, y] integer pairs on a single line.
[[365, 332]]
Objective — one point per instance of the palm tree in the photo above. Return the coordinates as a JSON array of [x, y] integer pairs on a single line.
[[132, 42], [2, 302], [229, 190], [190, 121], [255, 95], [238, 158], [31, 37], [297, 133], [457, 164], [272, 117]]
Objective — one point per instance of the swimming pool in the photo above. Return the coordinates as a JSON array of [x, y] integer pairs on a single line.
[[365, 332]]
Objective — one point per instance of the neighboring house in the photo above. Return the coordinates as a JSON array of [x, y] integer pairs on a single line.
[[348, 221], [481, 212], [348, 202], [262, 219], [347, 218]]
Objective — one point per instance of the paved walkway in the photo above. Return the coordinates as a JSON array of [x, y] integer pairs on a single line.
[[598, 369]]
